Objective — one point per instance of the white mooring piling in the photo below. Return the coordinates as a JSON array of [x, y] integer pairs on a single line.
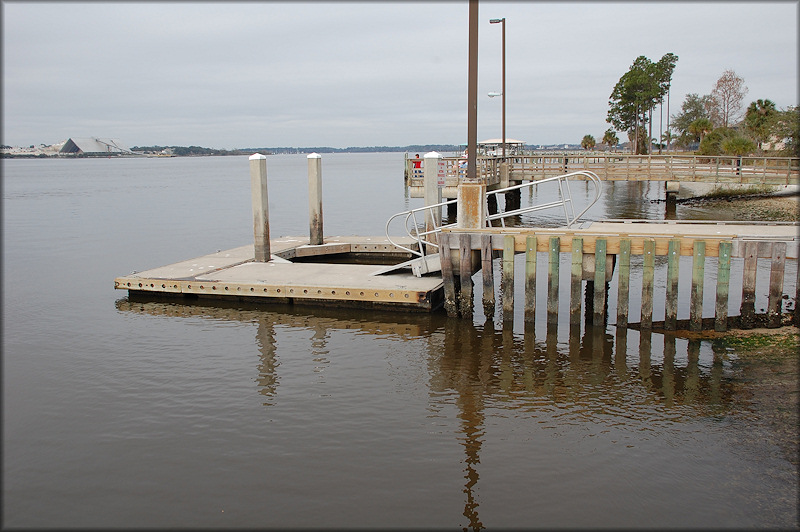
[[315, 199], [258, 189], [433, 191]]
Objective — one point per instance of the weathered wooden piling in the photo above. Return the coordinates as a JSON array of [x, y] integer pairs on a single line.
[[698, 273], [599, 282], [576, 278], [448, 276], [597, 257], [465, 266], [797, 297], [531, 248], [507, 280], [776, 284], [487, 253], [315, 199], [623, 284], [723, 286], [747, 309], [648, 272], [554, 259], [260, 199], [673, 266]]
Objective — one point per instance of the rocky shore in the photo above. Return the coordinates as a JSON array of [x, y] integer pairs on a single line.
[[751, 207]]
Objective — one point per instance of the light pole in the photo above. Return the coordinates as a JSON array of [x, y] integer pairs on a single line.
[[503, 91]]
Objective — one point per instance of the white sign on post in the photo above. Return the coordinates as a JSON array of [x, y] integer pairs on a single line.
[[441, 173]]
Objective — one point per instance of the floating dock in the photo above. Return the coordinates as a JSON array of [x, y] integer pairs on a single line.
[[339, 272]]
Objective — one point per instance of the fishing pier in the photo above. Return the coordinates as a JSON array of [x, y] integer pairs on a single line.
[[432, 265], [675, 171]]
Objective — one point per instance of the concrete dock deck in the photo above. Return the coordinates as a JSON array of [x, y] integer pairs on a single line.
[[234, 273]]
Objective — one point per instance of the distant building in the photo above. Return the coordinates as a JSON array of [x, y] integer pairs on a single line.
[[94, 146], [495, 147]]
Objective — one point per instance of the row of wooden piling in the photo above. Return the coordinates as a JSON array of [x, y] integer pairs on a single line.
[[470, 250]]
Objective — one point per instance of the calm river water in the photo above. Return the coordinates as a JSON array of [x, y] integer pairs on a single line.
[[120, 413]]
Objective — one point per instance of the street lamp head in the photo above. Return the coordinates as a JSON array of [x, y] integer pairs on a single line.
[[493, 94], [497, 20]]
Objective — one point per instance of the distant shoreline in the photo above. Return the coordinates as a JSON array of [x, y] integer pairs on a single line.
[[41, 151]]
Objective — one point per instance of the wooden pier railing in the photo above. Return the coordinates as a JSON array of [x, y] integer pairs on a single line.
[[595, 257], [620, 167]]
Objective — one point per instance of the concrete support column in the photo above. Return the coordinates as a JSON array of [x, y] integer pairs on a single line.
[[673, 189], [258, 190], [433, 193], [504, 175], [315, 199], [471, 201]]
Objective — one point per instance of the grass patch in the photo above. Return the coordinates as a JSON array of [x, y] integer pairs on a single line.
[[766, 349], [758, 341]]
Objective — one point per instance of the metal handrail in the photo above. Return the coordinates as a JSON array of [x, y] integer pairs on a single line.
[[413, 230], [566, 201], [431, 213]]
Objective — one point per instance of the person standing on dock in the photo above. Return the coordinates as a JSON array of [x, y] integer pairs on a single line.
[[462, 164], [416, 167]]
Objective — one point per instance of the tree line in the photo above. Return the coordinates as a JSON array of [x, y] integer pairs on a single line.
[[185, 151], [713, 124]]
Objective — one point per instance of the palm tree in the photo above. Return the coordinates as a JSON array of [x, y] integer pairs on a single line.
[[759, 118], [588, 142], [610, 138], [701, 127], [666, 138], [738, 146]]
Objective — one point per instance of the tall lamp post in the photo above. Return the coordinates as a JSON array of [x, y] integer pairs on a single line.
[[503, 92]]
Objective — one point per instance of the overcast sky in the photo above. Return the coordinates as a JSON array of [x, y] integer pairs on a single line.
[[269, 74]]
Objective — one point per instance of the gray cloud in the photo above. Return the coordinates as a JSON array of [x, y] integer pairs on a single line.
[[368, 73]]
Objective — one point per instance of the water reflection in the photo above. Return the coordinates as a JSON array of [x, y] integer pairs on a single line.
[[636, 200], [595, 378], [586, 382], [267, 378]]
